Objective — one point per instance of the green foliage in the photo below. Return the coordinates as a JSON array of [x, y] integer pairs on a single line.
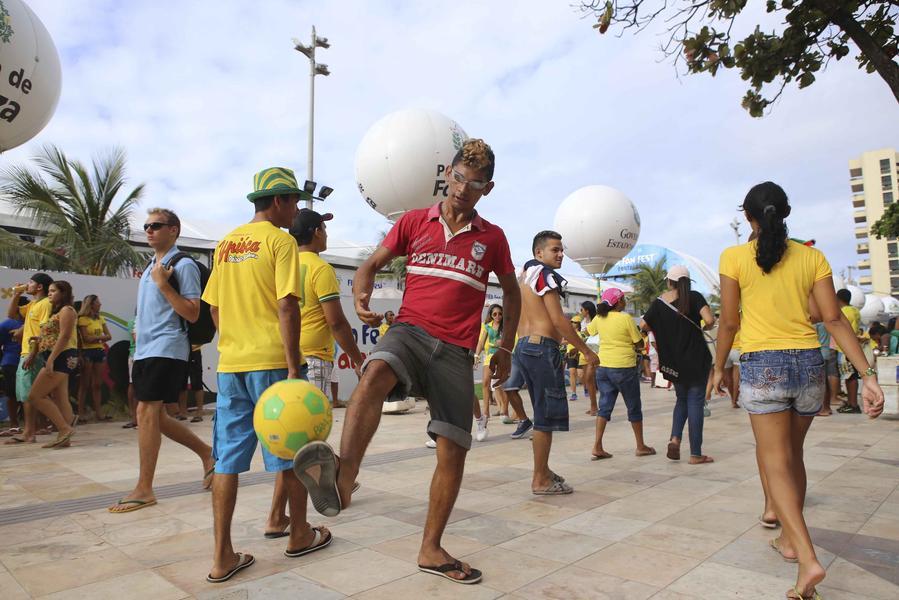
[[887, 226], [814, 32], [85, 226], [397, 265], [649, 282]]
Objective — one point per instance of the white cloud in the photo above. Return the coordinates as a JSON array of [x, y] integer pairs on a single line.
[[203, 94]]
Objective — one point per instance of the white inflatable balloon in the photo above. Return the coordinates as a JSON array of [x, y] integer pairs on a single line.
[[872, 310], [858, 296], [401, 160], [599, 225], [890, 306], [30, 76], [838, 282]]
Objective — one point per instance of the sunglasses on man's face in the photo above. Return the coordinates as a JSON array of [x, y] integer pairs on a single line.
[[473, 184], [155, 226]]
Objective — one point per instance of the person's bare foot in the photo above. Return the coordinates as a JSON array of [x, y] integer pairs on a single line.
[[645, 451], [809, 576], [133, 501], [220, 570], [700, 460], [345, 485], [442, 557], [303, 538], [824, 412], [278, 527], [785, 548]]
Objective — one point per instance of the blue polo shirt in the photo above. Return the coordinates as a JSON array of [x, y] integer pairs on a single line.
[[11, 348], [160, 331]]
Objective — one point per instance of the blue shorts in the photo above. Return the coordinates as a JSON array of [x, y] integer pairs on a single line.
[[773, 381], [93, 355], [516, 378], [540, 364], [610, 381], [233, 437]]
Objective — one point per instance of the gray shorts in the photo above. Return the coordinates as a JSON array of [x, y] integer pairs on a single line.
[[320, 371], [733, 358], [427, 367]]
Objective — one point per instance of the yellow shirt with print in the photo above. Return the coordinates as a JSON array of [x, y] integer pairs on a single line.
[[854, 317], [775, 305], [320, 285], [94, 330], [254, 266], [382, 329], [618, 333], [34, 313]]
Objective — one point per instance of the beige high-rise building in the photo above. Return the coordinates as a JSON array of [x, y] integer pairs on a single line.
[[873, 179]]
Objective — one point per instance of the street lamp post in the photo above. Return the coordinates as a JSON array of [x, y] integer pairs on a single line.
[[735, 225], [314, 69]]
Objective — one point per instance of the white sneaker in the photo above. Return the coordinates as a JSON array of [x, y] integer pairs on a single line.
[[431, 443], [481, 435]]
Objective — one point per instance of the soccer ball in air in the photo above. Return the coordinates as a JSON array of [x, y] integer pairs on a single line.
[[290, 414]]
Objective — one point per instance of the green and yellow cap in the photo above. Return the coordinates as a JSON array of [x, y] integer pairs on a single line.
[[274, 181]]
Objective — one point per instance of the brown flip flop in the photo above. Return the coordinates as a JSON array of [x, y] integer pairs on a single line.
[[673, 451]]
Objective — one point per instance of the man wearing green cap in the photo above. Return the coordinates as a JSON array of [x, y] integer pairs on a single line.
[[255, 293]]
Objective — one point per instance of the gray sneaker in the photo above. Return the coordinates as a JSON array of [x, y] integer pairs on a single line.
[[523, 427]]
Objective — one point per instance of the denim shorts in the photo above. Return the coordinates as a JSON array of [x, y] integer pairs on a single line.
[[773, 381], [831, 367], [516, 378], [610, 381], [540, 362], [233, 437]]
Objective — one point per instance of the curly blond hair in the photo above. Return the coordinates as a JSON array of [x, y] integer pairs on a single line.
[[476, 154]]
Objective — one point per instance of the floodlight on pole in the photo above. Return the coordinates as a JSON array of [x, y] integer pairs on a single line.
[[325, 191], [309, 187], [314, 69]]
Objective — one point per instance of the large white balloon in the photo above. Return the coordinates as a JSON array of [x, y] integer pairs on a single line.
[[858, 296], [890, 306], [838, 282], [599, 225], [30, 76], [401, 160], [872, 309]]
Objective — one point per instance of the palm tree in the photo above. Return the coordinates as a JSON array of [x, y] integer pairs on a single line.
[[84, 228], [649, 281], [396, 267]]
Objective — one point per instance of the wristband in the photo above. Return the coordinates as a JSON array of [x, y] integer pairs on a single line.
[[869, 372]]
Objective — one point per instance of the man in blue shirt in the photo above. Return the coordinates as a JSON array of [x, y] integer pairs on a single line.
[[161, 354], [11, 348]]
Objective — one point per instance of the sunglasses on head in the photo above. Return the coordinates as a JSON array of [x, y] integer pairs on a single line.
[[155, 226]]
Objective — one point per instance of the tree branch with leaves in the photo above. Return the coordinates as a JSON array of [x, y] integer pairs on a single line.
[[699, 36]]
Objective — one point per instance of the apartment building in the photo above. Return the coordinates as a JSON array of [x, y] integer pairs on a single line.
[[873, 180]]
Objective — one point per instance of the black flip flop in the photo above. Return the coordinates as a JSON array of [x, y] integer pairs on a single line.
[[324, 494], [319, 541], [442, 570], [273, 535], [244, 561]]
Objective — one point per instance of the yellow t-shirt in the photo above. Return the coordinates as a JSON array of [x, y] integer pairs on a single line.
[[736, 344], [775, 305], [320, 284], [617, 334], [855, 319], [254, 266], [34, 313], [382, 329], [94, 330]]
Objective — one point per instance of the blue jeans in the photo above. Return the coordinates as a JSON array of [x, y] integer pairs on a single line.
[[777, 380], [541, 365], [610, 381], [689, 407]]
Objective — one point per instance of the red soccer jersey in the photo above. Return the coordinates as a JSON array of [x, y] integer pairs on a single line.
[[446, 274]]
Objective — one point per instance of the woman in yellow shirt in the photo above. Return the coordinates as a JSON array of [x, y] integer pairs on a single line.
[[779, 284], [617, 371], [93, 333], [58, 346], [491, 332]]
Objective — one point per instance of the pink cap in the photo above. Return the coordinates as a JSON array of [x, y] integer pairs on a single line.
[[612, 296]]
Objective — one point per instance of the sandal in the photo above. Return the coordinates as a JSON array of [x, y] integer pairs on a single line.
[[673, 451], [196, 419], [324, 494], [775, 544], [795, 595], [319, 541], [11, 432], [441, 571], [243, 561], [648, 452], [556, 488]]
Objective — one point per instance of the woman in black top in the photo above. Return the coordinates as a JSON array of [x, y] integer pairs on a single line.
[[676, 319]]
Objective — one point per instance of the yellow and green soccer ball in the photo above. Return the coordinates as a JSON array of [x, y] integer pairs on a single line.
[[289, 414]]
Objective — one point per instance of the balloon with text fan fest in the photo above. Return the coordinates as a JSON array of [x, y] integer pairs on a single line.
[[599, 226], [30, 75], [401, 160]]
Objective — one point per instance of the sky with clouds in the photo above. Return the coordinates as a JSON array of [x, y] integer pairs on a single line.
[[203, 94]]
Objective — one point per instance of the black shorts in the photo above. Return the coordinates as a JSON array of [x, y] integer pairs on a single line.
[[571, 363], [9, 381], [158, 379], [431, 368], [67, 362], [193, 379], [93, 355]]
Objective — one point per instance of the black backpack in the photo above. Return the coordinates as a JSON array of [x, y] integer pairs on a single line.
[[203, 329]]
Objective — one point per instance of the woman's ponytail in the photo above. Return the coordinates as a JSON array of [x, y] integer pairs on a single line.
[[767, 205]]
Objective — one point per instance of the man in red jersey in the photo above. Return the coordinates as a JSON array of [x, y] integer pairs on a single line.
[[428, 352]]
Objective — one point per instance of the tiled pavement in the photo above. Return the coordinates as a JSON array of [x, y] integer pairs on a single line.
[[635, 527]]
